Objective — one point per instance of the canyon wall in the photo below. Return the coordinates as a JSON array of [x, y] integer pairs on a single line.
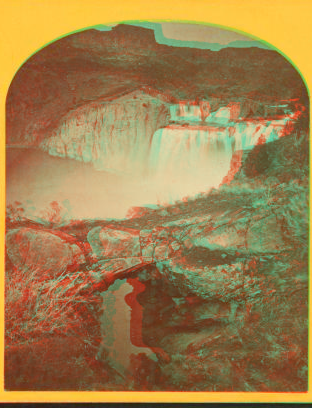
[[114, 136]]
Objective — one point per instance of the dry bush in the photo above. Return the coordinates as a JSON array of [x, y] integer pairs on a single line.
[[38, 307]]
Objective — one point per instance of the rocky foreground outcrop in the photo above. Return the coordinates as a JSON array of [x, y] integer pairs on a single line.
[[250, 233], [257, 234], [153, 244], [189, 290], [114, 243], [41, 252]]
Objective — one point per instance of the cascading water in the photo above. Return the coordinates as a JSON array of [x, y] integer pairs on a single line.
[[186, 161], [201, 112], [190, 158]]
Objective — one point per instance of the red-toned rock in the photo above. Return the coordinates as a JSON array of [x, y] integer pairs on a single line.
[[40, 252], [114, 243]]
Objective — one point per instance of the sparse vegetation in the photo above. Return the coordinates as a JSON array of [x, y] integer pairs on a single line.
[[55, 214], [37, 306], [15, 212]]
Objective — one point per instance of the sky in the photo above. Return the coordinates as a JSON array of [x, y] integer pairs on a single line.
[[201, 33], [195, 35]]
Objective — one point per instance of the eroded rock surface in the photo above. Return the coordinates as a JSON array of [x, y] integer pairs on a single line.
[[40, 252], [110, 242]]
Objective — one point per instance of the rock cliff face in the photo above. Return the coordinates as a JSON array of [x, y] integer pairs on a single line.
[[113, 135], [89, 65]]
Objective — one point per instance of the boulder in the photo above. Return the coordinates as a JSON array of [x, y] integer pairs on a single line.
[[109, 242], [255, 235], [160, 234], [146, 243], [161, 251], [266, 236], [40, 252], [222, 282], [229, 236]]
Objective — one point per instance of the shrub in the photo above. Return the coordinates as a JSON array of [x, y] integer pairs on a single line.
[[15, 212], [35, 308], [55, 214]]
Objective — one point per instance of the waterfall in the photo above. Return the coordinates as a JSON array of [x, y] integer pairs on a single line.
[[158, 152], [186, 160], [188, 111]]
